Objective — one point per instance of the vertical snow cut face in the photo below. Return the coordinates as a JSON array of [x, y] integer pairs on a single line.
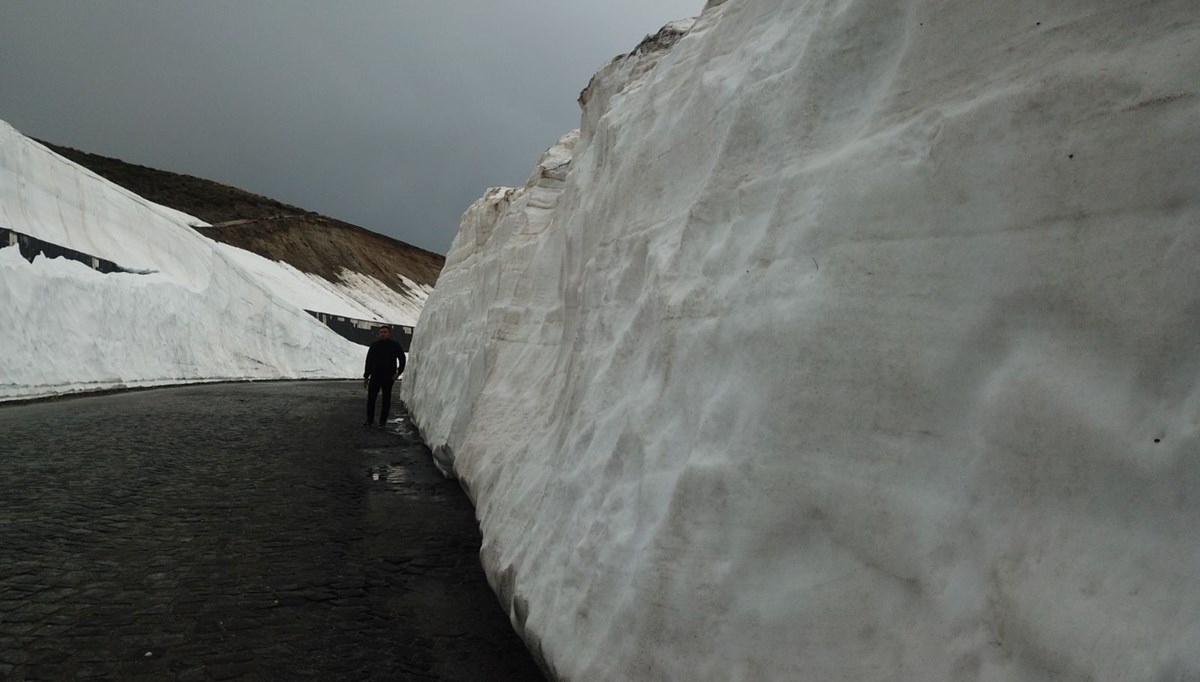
[[202, 314], [847, 340]]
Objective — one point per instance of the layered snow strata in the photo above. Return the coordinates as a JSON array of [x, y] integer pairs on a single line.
[[200, 315], [858, 342], [491, 293]]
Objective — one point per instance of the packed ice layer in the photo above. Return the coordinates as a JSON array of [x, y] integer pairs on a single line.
[[849, 340], [205, 312]]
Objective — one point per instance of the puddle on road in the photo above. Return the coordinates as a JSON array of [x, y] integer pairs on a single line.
[[401, 470], [401, 426], [396, 474]]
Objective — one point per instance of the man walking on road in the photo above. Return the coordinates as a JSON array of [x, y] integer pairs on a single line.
[[385, 362]]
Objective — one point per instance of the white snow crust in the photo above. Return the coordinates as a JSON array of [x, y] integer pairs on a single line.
[[848, 340], [206, 312], [354, 295], [385, 303]]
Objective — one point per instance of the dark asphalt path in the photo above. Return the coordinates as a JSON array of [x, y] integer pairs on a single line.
[[245, 531]]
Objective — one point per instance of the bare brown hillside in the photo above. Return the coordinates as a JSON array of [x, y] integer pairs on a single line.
[[308, 241]]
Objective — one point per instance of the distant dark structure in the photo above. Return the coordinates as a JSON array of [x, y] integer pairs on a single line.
[[31, 247], [359, 331], [363, 331]]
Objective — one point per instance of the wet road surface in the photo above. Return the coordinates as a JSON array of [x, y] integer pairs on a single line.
[[243, 531]]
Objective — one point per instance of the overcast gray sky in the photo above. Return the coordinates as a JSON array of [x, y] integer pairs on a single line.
[[394, 115]]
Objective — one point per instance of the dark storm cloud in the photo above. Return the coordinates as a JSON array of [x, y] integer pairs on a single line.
[[391, 115]]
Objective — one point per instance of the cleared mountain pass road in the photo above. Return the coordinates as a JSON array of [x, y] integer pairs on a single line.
[[237, 531]]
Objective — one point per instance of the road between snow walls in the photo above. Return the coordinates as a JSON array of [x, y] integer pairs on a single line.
[[845, 341]]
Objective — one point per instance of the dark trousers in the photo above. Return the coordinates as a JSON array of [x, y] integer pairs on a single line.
[[373, 387]]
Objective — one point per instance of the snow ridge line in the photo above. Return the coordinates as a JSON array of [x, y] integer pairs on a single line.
[[352, 329]]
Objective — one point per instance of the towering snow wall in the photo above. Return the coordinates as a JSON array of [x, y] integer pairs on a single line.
[[198, 316], [849, 340]]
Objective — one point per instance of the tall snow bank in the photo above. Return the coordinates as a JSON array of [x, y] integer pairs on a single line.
[[199, 316], [856, 341]]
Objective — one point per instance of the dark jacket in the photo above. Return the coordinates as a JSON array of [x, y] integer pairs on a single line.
[[385, 358]]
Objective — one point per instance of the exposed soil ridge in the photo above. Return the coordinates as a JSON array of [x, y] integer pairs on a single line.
[[308, 241]]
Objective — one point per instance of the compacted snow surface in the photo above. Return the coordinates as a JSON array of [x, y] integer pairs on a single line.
[[207, 311], [847, 340]]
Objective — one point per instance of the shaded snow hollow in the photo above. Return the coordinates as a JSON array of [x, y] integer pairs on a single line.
[[208, 311], [847, 340]]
